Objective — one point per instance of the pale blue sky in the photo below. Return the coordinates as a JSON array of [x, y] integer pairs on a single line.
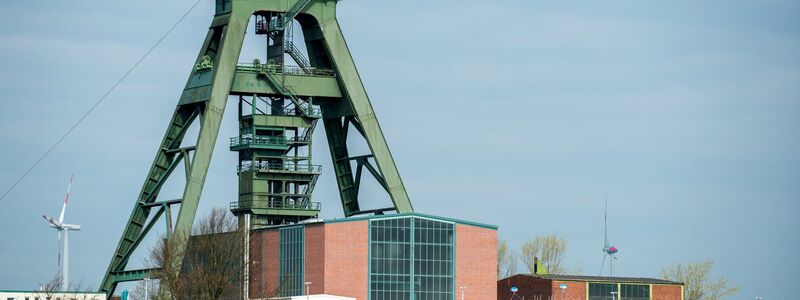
[[523, 114]]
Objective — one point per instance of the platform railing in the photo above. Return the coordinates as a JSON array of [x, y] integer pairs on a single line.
[[288, 70], [277, 204], [288, 167], [259, 140]]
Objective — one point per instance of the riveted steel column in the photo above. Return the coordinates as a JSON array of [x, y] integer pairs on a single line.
[[357, 97]]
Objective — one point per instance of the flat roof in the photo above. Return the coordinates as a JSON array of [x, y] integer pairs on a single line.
[[641, 280], [388, 216], [412, 214], [52, 292]]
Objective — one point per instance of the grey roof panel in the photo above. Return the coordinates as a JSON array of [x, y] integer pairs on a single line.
[[604, 279]]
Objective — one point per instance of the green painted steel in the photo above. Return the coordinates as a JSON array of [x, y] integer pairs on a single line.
[[133, 275], [325, 85]]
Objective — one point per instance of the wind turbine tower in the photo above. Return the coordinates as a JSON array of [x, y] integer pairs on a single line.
[[608, 250], [63, 236]]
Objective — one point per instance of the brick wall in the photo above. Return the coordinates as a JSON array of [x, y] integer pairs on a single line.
[[666, 292], [264, 263], [336, 260], [314, 263], [531, 288], [576, 290], [534, 288], [346, 258], [476, 262]]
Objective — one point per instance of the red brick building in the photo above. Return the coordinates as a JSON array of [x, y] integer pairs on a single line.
[[572, 287], [402, 256]]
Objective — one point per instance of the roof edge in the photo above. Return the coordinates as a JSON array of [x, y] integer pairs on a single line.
[[412, 214], [586, 278]]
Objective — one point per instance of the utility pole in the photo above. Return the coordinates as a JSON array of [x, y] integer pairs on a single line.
[[308, 284], [462, 292], [146, 284]]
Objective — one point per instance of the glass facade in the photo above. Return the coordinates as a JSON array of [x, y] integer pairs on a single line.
[[434, 249], [390, 259], [608, 291], [634, 292], [290, 261], [411, 258], [603, 291]]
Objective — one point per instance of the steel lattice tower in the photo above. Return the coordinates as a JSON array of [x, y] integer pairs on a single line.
[[278, 109]]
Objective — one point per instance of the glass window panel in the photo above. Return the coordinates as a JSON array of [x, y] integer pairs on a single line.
[[290, 261], [635, 292], [398, 243], [602, 291]]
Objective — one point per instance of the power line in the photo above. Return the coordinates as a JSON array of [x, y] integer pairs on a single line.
[[86, 114]]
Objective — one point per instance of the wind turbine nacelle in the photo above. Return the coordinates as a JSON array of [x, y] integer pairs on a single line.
[[71, 227], [610, 249]]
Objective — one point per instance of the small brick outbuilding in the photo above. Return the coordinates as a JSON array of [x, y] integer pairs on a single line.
[[573, 287]]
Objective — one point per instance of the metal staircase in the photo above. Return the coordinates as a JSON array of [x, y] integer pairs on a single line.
[[297, 55], [305, 108], [285, 19]]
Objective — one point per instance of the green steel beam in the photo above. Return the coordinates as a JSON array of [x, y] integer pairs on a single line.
[[338, 56], [343, 100], [249, 83], [134, 275], [223, 44]]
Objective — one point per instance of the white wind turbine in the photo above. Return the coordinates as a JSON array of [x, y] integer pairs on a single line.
[[608, 250], [63, 236]]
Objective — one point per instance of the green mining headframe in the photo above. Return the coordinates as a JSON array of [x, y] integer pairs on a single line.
[[279, 107]]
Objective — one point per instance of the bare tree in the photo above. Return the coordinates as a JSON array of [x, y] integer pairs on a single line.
[[145, 290], [164, 255], [51, 289], [697, 280], [51, 286], [212, 266], [550, 250], [506, 260]]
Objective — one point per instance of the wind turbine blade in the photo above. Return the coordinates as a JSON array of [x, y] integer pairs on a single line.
[[51, 221], [605, 225], [66, 199], [603, 264]]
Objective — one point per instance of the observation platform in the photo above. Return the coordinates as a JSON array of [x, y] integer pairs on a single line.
[[281, 168], [293, 208], [277, 143], [303, 82]]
